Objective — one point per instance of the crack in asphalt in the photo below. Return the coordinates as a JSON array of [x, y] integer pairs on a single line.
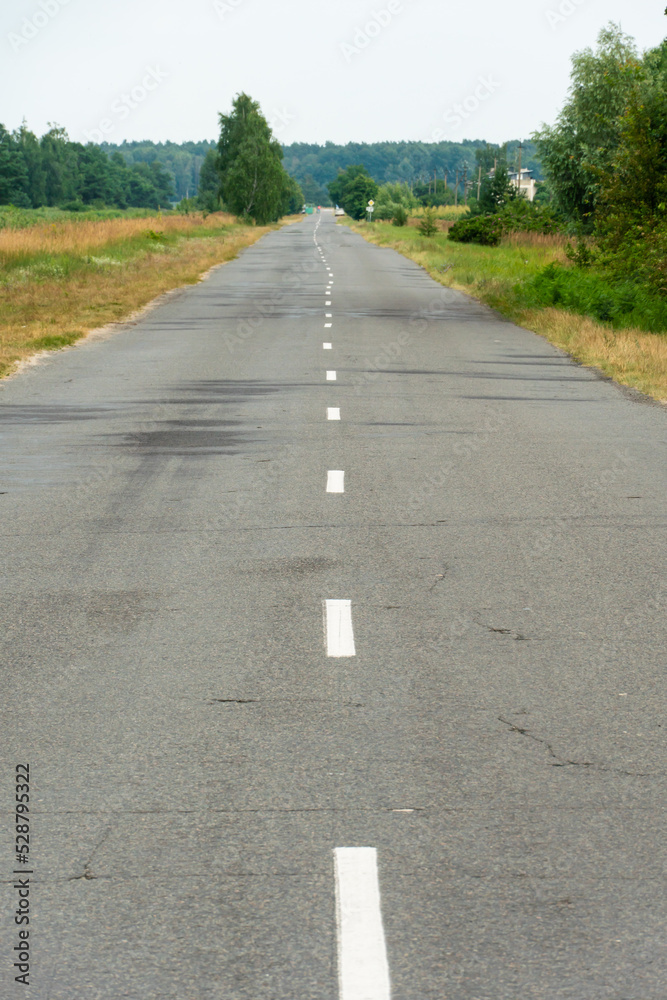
[[87, 872], [559, 761]]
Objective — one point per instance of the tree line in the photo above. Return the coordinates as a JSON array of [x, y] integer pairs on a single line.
[[54, 171], [418, 164], [183, 161]]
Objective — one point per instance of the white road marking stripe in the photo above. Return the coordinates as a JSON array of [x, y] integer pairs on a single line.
[[331, 376], [326, 347], [327, 303], [363, 970], [333, 412], [327, 326], [335, 481], [340, 636], [328, 315]]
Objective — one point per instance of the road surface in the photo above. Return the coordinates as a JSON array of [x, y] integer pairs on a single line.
[[333, 615]]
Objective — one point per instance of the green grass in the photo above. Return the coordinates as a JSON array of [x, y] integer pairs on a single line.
[[23, 218]]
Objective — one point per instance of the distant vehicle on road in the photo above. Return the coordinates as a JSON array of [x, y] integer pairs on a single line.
[[339, 211]]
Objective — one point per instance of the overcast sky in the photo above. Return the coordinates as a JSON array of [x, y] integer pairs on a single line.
[[337, 70]]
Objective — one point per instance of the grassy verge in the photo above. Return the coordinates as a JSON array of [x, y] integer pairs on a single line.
[[23, 218], [516, 279], [59, 281]]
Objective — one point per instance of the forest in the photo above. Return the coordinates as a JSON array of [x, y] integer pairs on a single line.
[[53, 170]]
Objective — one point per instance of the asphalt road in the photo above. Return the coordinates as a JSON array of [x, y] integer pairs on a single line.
[[202, 742]]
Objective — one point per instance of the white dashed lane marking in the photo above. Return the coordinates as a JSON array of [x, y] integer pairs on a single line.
[[333, 413], [326, 347], [335, 481], [338, 627], [331, 376], [363, 970]]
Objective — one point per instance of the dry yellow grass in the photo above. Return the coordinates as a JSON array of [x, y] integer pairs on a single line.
[[51, 312], [555, 242], [82, 237], [631, 357]]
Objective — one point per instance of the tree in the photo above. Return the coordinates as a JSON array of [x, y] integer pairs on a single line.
[[252, 177], [587, 131], [208, 193], [61, 168], [631, 221], [428, 225], [496, 190], [352, 190], [32, 157], [292, 196], [13, 172]]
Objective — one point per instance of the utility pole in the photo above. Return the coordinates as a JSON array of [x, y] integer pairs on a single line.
[[465, 185], [519, 174], [456, 191], [479, 181]]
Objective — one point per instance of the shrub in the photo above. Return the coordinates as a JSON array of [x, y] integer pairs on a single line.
[[428, 225], [592, 293], [522, 216], [582, 254], [484, 229], [400, 216]]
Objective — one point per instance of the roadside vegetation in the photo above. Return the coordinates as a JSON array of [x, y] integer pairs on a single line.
[[67, 267], [511, 278], [60, 280], [585, 264]]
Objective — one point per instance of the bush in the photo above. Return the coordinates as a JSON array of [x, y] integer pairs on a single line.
[[428, 225], [400, 216], [74, 206], [592, 293], [522, 216], [582, 254], [484, 229]]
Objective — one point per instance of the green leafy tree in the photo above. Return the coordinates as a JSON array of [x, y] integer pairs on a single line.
[[631, 221], [61, 168], [352, 190], [496, 190], [587, 131], [293, 200], [252, 177], [32, 157], [208, 193], [13, 172]]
